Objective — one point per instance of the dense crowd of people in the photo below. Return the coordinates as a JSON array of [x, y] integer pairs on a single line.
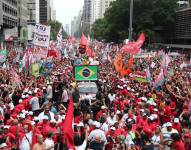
[[125, 114]]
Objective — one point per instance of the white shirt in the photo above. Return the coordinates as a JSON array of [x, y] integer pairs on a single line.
[[35, 103], [65, 96], [156, 140], [41, 116], [96, 132], [82, 147], [2, 111], [49, 143], [111, 97], [24, 144], [111, 121], [105, 127], [49, 92]]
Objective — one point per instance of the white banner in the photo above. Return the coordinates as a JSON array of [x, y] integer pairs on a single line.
[[41, 35]]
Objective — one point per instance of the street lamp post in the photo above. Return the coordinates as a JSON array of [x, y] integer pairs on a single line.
[[131, 20]]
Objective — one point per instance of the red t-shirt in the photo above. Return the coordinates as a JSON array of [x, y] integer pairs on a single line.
[[179, 145], [177, 127]]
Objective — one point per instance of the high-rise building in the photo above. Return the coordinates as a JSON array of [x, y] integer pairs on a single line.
[[105, 4], [67, 29], [8, 20], [53, 15], [76, 24], [33, 11], [22, 13], [52, 11], [44, 9], [8, 13], [95, 14], [87, 11]]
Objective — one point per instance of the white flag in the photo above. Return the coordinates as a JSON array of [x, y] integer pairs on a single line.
[[59, 36]]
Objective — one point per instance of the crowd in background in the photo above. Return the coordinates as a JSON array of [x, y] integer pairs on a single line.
[[125, 114]]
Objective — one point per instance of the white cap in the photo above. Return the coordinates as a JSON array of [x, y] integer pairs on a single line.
[[27, 96], [141, 110], [168, 124], [35, 119], [155, 109], [22, 116], [176, 120], [6, 127], [113, 128], [53, 121], [151, 117], [20, 101], [32, 123], [45, 117], [129, 120], [30, 92], [103, 107], [3, 145], [155, 116], [30, 113], [23, 97]]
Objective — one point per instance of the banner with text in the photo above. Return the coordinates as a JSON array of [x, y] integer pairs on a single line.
[[41, 35]]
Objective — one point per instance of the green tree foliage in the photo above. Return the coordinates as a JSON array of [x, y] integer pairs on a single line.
[[154, 17], [55, 27]]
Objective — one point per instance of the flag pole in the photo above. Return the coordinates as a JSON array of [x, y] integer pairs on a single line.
[[131, 20]]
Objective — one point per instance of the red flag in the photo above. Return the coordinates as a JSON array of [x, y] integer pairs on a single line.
[[83, 40], [127, 71], [134, 47], [89, 52], [118, 63], [67, 126]]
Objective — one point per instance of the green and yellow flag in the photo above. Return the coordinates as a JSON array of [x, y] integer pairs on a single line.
[[35, 69], [86, 73]]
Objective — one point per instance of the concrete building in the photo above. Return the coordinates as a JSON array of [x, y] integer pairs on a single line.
[[22, 13], [67, 29], [33, 12], [95, 14], [87, 11], [44, 9], [53, 15], [8, 19], [76, 24], [8, 13], [183, 26], [105, 4]]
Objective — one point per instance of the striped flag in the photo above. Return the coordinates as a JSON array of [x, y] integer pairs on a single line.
[[160, 79], [166, 60]]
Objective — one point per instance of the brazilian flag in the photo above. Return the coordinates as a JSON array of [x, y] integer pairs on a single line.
[[86, 73]]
